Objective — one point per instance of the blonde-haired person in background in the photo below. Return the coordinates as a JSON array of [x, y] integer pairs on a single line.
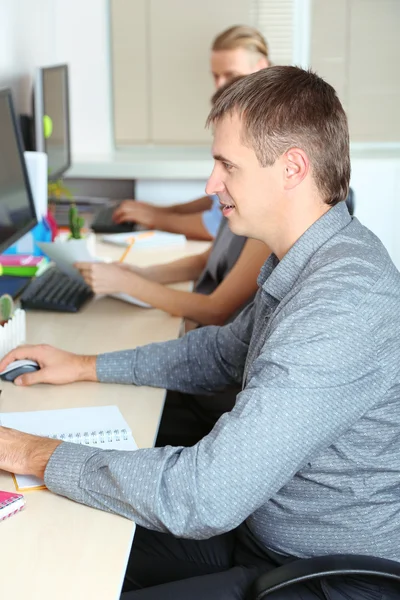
[[240, 50]]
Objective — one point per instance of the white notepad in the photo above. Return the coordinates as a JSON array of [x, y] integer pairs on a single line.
[[146, 239], [101, 427]]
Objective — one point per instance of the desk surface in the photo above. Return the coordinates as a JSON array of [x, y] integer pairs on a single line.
[[55, 548]]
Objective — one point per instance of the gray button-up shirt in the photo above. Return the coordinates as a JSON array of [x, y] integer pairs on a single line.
[[310, 454]]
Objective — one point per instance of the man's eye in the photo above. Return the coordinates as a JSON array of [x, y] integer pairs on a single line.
[[227, 166]]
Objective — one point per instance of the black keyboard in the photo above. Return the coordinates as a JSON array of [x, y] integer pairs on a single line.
[[103, 223], [54, 290]]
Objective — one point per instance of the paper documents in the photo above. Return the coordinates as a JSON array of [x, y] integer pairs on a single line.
[[65, 254], [130, 300], [146, 239]]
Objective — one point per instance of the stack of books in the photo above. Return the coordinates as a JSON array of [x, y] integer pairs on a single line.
[[22, 265]]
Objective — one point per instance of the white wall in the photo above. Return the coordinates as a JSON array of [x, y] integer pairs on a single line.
[[81, 33], [376, 183], [43, 32], [25, 42]]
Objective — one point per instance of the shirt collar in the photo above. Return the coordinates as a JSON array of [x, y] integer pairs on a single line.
[[278, 277]]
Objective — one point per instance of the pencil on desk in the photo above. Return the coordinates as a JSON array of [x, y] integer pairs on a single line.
[[132, 240], [127, 250]]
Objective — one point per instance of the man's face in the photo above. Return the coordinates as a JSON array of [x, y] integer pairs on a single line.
[[249, 193], [227, 64]]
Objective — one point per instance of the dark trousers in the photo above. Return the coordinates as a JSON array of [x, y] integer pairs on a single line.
[[162, 567], [187, 418]]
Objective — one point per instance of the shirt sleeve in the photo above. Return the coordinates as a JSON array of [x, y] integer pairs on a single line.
[[212, 218], [304, 389], [179, 364]]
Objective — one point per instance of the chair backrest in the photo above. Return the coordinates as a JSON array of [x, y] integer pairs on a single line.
[[350, 201]]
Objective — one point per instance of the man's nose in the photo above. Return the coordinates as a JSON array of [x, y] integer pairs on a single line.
[[215, 183]]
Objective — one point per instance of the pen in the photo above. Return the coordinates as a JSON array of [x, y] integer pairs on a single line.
[[131, 242], [127, 250]]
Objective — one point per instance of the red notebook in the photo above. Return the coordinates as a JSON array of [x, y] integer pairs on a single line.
[[10, 503]]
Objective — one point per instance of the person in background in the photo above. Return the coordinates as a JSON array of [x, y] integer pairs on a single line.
[[240, 50]]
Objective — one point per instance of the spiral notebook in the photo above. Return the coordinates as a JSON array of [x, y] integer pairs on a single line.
[[102, 427]]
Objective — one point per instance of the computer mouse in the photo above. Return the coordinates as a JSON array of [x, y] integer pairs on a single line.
[[17, 368]]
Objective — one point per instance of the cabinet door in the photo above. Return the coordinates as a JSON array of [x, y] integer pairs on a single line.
[[130, 71], [181, 85], [373, 70]]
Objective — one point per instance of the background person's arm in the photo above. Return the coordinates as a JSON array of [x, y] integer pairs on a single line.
[[238, 286], [184, 269], [154, 217]]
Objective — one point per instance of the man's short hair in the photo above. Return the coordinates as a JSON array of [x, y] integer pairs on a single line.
[[286, 107]]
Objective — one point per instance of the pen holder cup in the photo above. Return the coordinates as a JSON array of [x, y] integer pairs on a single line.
[[13, 332]]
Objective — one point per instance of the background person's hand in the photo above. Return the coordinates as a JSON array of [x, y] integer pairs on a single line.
[[23, 453], [56, 366], [104, 278], [137, 212]]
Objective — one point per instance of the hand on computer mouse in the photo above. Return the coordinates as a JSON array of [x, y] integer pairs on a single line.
[[18, 367], [56, 366]]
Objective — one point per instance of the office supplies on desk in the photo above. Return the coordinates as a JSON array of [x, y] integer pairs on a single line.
[[17, 368], [101, 427], [125, 253], [10, 503], [13, 333], [56, 291], [132, 240], [66, 253], [130, 299], [22, 265], [103, 223], [144, 240]]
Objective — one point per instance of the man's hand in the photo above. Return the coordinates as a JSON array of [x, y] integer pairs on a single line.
[[25, 454], [56, 366], [138, 212], [104, 278]]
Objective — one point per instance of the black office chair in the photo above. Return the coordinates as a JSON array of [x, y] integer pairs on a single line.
[[350, 202], [302, 570]]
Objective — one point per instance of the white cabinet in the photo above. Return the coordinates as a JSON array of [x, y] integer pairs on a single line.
[[162, 83]]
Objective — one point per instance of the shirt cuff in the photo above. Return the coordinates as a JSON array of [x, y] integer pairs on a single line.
[[116, 367], [64, 469]]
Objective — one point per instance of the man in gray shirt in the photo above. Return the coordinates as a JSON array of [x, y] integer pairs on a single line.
[[308, 461]]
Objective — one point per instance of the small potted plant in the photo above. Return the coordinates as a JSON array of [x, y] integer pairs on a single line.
[[76, 235], [12, 325]]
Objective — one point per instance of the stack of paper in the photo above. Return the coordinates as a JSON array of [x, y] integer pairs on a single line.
[[146, 239]]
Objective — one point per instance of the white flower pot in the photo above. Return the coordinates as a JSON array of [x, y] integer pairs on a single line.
[[13, 333], [88, 241]]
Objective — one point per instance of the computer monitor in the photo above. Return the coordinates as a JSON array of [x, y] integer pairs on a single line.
[[17, 210], [51, 112]]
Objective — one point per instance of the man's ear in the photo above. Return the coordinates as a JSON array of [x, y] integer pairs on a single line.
[[296, 167]]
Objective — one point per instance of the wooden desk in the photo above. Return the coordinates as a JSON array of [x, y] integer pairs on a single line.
[[56, 549]]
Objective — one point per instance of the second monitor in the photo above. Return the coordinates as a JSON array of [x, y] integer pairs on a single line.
[[52, 123]]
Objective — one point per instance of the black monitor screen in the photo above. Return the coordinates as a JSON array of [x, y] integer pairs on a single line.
[[55, 119], [17, 212]]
